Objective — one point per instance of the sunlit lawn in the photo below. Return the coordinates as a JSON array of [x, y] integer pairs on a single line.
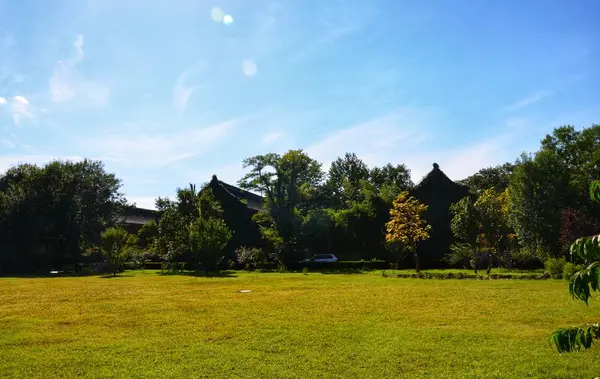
[[290, 325]]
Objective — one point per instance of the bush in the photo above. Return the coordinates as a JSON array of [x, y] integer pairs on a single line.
[[569, 269], [555, 266], [251, 258]]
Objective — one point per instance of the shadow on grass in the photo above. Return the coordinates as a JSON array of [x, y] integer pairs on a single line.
[[110, 276], [343, 271], [201, 274], [46, 276]]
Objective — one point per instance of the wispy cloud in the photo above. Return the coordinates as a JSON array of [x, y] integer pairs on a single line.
[[406, 137], [8, 161], [145, 202], [67, 84], [2, 100], [377, 141], [158, 150], [183, 90], [332, 35], [20, 109], [7, 143], [530, 100], [270, 138]]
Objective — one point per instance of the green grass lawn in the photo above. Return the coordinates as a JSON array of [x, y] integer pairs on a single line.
[[291, 325]]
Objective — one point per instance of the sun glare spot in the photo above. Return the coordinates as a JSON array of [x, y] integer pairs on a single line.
[[227, 19], [217, 14], [249, 68]]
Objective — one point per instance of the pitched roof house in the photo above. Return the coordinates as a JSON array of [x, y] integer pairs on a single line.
[[438, 192]]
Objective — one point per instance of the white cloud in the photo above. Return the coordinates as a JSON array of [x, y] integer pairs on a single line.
[[78, 45], [530, 100], [182, 91], [67, 84], [21, 100], [8, 161], [159, 150], [146, 202], [7, 143], [20, 109], [464, 160], [377, 141], [404, 138], [2, 100], [271, 138]]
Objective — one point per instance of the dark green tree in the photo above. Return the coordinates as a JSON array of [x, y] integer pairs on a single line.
[[497, 177], [585, 250], [538, 191], [113, 244], [288, 183], [49, 215], [465, 228]]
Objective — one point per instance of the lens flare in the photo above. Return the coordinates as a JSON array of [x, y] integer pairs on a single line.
[[249, 68], [227, 19], [217, 14]]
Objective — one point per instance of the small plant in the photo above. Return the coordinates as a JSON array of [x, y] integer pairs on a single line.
[[384, 274], [305, 270], [113, 246], [554, 267], [569, 269]]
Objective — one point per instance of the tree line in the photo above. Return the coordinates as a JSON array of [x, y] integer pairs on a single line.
[[66, 214]]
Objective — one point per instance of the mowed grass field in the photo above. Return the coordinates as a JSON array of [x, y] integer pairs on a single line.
[[290, 325]]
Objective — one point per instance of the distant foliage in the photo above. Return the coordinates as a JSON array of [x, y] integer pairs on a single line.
[[585, 251], [575, 223], [208, 239], [251, 258], [555, 267], [114, 247], [50, 215]]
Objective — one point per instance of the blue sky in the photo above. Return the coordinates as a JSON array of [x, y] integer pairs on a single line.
[[167, 93]]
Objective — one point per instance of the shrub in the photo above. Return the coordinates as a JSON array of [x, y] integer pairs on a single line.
[[251, 258], [554, 267], [569, 269], [113, 245], [305, 270]]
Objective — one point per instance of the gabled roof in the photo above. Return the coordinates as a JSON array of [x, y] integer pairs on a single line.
[[437, 178], [253, 201], [138, 216]]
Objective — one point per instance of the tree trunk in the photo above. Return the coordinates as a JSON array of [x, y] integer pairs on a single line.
[[417, 263], [489, 268], [476, 262]]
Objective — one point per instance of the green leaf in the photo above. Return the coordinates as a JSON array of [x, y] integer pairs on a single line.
[[595, 190]]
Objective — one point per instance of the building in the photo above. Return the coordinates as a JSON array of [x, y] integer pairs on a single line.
[[438, 192], [134, 218], [238, 208]]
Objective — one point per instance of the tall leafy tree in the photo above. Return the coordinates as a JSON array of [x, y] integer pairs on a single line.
[[394, 177], [465, 225], [406, 225], [538, 191], [497, 177], [345, 177], [585, 250], [494, 231], [50, 214], [288, 182]]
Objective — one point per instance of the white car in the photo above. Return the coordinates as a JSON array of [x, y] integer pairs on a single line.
[[321, 258]]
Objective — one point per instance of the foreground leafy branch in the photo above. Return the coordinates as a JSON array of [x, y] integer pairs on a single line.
[[581, 285]]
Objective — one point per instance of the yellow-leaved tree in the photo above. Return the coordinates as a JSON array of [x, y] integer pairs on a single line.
[[406, 226]]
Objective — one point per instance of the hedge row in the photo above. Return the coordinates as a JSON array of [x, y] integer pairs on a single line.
[[460, 275], [295, 266]]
